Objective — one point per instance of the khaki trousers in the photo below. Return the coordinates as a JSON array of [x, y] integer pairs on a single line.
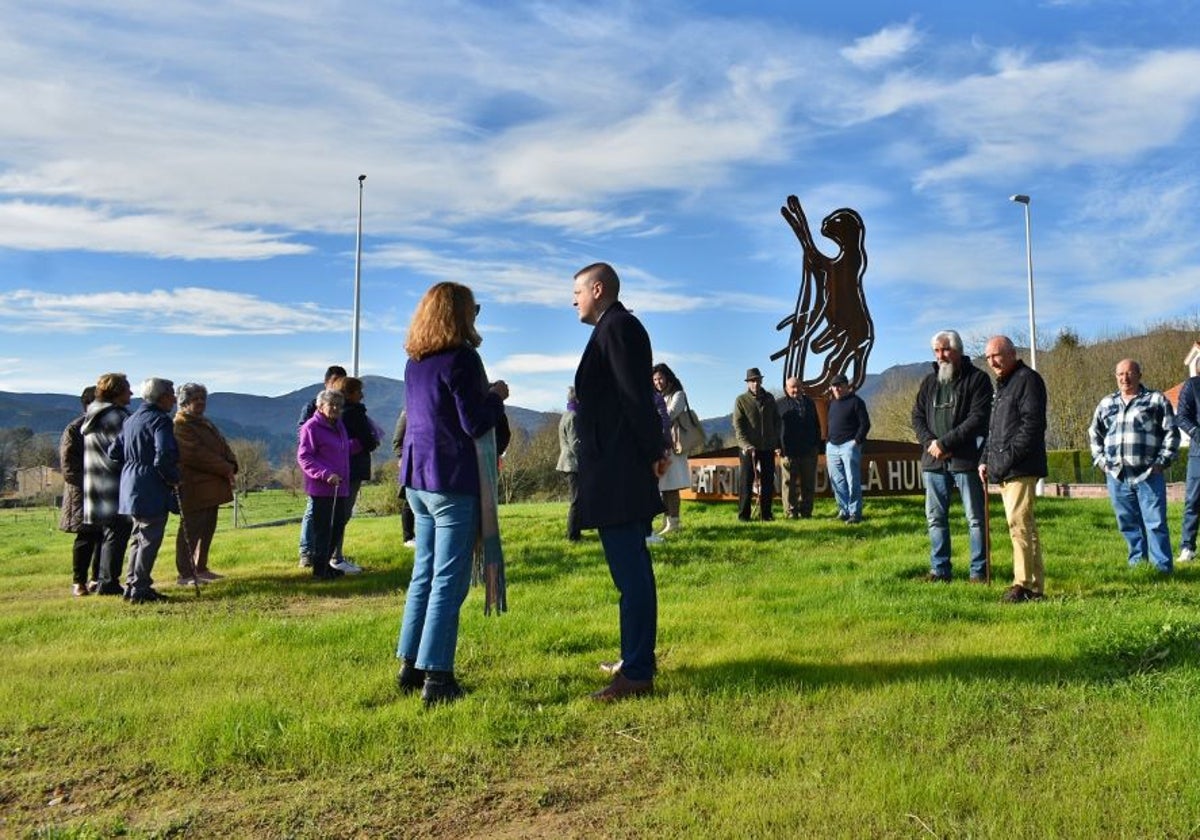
[[1028, 568]]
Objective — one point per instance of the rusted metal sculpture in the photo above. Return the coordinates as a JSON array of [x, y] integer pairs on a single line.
[[831, 317]]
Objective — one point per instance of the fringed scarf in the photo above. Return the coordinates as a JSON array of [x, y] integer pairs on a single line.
[[488, 565]]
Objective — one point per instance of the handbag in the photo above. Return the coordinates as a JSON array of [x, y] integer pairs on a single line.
[[687, 434]]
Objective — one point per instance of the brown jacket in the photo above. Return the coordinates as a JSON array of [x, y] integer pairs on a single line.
[[206, 463]]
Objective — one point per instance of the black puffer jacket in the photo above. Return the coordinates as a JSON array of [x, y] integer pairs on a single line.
[[1016, 443], [972, 410]]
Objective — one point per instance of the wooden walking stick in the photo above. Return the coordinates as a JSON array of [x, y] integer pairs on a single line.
[[987, 534], [186, 541]]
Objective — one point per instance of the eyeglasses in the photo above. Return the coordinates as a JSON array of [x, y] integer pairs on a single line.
[[477, 308]]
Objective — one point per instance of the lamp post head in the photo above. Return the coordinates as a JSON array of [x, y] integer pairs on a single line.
[[1020, 199], [361, 178]]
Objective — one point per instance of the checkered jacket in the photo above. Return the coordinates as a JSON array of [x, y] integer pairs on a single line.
[[101, 475], [1134, 436]]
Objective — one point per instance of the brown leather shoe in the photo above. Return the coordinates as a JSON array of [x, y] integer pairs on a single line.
[[622, 687]]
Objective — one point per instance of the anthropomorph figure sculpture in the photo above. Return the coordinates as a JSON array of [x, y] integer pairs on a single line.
[[831, 317]]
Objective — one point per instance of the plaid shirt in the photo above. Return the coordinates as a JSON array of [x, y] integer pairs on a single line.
[[1135, 436]]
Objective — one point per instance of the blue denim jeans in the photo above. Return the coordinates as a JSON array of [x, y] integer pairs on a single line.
[[1191, 503], [937, 513], [1142, 519], [844, 463], [629, 564], [446, 524], [306, 535]]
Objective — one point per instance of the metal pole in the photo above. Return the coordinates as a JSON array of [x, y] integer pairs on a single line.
[[357, 279], [1025, 200], [1029, 266]]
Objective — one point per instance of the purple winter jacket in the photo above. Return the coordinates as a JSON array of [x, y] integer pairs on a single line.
[[447, 405], [323, 451]]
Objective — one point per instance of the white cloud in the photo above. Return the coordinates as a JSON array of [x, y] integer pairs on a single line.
[[185, 311], [883, 47], [53, 227], [533, 363]]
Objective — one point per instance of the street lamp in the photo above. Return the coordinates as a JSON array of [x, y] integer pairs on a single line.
[[1024, 199], [358, 279]]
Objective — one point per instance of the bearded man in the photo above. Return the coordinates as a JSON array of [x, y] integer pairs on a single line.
[[950, 418]]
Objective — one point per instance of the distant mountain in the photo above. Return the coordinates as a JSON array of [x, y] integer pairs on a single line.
[[271, 420]]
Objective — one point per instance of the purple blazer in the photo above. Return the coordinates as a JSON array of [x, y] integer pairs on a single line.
[[447, 405], [323, 451]]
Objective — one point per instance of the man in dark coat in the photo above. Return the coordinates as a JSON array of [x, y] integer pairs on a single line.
[[756, 427], [621, 456], [950, 417], [1014, 456], [149, 459], [800, 442]]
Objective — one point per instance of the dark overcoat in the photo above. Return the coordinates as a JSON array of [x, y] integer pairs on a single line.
[[618, 428]]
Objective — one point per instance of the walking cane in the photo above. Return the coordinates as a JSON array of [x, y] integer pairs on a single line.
[[186, 540], [332, 521], [987, 534]]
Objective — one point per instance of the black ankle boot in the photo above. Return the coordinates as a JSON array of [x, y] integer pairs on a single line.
[[440, 687], [410, 678]]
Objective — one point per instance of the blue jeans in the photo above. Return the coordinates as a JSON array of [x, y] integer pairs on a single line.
[[447, 524], [1142, 519], [306, 535], [844, 463], [629, 564], [937, 509], [1191, 503]]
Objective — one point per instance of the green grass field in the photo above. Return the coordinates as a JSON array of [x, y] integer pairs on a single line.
[[809, 687]]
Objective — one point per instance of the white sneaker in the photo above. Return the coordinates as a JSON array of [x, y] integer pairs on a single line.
[[1186, 555], [410, 543], [654, 539], [345, 566]]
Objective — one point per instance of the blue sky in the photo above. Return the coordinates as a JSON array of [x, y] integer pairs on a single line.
[[178, 180]]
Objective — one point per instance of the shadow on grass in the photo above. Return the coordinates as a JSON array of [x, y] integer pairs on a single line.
[[1093, 667]]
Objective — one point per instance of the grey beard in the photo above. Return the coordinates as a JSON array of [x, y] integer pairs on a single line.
[[945, 373]]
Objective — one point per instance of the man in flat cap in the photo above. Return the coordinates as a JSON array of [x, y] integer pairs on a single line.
[[756, 426]]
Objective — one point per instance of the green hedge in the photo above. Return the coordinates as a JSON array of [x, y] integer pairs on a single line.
[[1074, 466]]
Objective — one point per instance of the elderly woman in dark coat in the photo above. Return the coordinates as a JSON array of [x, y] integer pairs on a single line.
[[85, 553], [149, 460], [360, 428], [206, 469]]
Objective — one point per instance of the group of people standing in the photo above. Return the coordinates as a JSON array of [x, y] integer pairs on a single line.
[[125, 472], [972, 434], [790, 427], [625, 467]]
